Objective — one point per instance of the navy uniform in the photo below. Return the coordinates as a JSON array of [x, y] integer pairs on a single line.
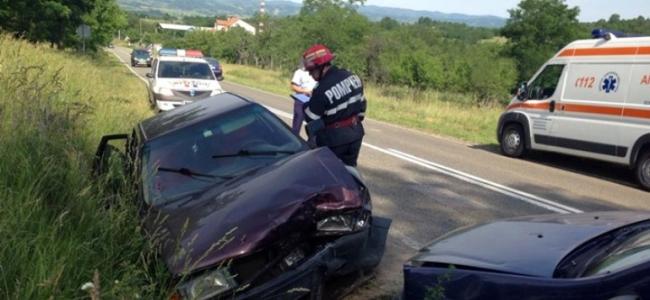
[[335, 112]]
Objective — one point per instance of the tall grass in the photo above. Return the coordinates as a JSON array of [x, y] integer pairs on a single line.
[[57, 231], [443, 113]]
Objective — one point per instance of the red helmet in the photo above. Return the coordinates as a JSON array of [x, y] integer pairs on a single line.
[[317, 55]]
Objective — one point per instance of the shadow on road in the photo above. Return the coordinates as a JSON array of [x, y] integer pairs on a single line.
[[611, 172]]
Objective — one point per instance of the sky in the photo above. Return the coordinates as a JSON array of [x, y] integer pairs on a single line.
[[590, 10]]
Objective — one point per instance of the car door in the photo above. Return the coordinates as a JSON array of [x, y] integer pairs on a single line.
[[542, 94], [589, 115]]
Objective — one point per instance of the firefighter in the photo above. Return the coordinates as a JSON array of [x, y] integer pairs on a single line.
[[336, 109]]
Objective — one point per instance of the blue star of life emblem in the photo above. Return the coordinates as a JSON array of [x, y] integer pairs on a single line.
[[609, 83]]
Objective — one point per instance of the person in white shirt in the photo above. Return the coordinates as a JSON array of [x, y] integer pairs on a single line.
[[302, 85]]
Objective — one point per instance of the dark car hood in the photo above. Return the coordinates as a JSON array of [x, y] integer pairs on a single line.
[[245, 214], [531, 246]]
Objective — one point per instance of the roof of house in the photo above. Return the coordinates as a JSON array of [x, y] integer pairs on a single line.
[[227, 23]]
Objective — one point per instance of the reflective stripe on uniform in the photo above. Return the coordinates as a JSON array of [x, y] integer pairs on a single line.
[[311, 115], [344, 105]]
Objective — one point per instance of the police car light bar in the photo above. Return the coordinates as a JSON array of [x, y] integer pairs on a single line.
[[167, 52], [180, 52], [193, 53]]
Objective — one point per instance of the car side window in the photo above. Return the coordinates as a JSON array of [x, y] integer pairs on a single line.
[[545, 83]]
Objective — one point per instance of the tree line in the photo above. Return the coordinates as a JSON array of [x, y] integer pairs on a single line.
[[486, 63]]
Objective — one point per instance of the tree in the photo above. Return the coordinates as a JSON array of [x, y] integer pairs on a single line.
[[56, 21], [312, 6], [537, 29], [104, 20]]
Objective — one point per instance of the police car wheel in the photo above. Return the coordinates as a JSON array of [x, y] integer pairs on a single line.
[[643, 170], [512, 141]]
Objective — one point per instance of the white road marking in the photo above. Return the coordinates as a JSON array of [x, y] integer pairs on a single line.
[[523, 196], [493, 186]]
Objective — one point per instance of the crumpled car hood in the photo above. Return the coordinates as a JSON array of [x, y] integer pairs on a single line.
[[531, 246], [236, 218]]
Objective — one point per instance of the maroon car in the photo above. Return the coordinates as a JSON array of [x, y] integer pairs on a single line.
[[245, 208]]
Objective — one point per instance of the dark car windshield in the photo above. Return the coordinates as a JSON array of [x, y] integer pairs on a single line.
[[213, 62], [611, 252], [140, 54], [632, 250], [199, 156], [181, 69]]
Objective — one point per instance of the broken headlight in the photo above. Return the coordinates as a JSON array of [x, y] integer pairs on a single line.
[[208, 285], [343, 223]]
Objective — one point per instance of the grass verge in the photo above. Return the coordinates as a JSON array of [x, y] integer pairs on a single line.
[[434, 112], [57, 230]]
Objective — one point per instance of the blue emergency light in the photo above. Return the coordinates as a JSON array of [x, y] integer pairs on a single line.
[[167, 52], [600, 33]]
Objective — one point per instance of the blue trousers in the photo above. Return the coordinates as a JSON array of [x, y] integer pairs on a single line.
[[298, 116]]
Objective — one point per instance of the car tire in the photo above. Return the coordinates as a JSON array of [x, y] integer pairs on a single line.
[[642, 170], [513, 141]]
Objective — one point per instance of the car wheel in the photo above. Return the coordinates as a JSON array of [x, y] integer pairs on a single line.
[[513, 141], [642, 170]]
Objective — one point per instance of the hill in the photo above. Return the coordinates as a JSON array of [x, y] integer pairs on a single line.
[[246, 8]]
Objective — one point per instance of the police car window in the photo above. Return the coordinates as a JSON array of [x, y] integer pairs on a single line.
[[545, 84], [176, 69]]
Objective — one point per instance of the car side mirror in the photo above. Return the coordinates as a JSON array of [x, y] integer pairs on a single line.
[[107, 152], [522, 91], [149, 75]]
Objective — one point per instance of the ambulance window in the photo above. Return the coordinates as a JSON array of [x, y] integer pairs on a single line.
[[546, 82]]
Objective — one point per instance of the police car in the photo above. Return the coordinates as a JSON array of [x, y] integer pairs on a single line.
[[177, 79], [592, 99]]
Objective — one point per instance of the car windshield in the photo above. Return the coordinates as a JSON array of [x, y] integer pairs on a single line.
[[141, 54], [199, 156], [213, 62], [629, 250], [181, 69]]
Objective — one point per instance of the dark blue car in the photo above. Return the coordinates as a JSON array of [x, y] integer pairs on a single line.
[[577, 256], [216, 67]]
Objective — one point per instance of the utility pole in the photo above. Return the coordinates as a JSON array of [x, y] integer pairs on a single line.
[[260, 28]]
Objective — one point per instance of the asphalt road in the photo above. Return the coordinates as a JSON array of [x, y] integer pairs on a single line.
[[429, 185]]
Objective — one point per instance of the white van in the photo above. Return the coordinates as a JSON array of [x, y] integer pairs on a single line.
[[592, 99], [176, 80]]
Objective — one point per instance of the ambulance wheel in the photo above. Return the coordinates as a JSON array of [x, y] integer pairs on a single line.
[[513, 141], [642, 170]]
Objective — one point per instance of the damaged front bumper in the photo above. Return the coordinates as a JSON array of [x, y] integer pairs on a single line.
[[362, 250], [358, 251]]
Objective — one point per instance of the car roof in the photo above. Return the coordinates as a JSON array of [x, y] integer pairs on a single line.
[[531, 246], [190, 114], [182, 59]]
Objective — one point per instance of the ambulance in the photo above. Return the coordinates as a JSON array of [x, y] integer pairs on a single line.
[[592, 99]]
